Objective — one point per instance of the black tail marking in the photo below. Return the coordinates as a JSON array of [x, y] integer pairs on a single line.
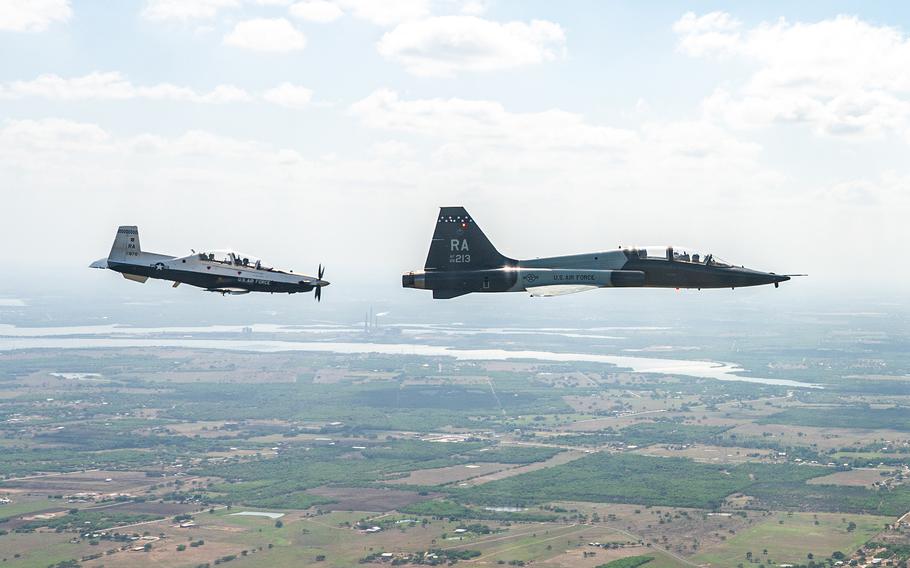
[[459, 244]]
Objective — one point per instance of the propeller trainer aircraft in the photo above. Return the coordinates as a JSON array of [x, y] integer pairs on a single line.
[[462, 260], [226, 272]]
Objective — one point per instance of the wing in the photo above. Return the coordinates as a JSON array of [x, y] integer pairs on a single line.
[[548, 291]]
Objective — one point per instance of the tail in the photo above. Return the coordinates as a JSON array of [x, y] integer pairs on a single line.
[[459, 244], [126, 244]]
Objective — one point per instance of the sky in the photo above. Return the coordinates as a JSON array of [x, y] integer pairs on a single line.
[[772, 134]]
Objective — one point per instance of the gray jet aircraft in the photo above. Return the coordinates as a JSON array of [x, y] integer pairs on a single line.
[[226, 272], [462, 260]]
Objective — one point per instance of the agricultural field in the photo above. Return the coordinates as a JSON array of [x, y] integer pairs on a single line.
[[791, 538], [184, 457]]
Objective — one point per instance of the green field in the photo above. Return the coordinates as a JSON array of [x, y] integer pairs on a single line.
[[893, 418], [630, 478], [793, 539]]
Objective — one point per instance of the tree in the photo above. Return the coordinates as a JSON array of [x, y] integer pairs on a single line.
[[278, 524]]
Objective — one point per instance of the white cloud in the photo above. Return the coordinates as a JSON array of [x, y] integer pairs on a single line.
[[484, 137], [692, 181], [276, 35], [386, 12], [184, 10], [442, 46], [716, 34], [54, 134], [842, 76], [473, 7], [289, 95], [320, 11], [485, 122], [32, 15], [114, 86]]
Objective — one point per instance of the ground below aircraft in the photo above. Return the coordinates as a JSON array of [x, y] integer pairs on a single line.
[[226, 272], [462, 260]]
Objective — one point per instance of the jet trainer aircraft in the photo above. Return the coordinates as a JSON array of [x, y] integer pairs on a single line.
[[226, 272], [462, 260]]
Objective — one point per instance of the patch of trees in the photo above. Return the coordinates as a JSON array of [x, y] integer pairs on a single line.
[[856, 416], [631, 478], [628, 562]]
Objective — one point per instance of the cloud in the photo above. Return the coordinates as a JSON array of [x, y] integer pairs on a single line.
[[480, 141], [55, 134], [473, 7], [289, 95], [274, 35], [841, 76], [444, 45], [386, 12], [185, 10], [320, 11], [33, 15], [485, 122], [715, 34], [114, 86], [690, 181]]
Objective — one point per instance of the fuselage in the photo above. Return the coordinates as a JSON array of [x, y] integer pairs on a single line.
[[214, 275], [227, 272], [606, 269], [461, 260]]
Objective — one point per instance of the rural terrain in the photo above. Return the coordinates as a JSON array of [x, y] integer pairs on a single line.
[[180, 454]]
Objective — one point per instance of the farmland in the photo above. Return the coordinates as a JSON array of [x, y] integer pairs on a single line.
[[114, 456]]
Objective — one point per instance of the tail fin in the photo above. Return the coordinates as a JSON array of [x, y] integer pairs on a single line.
[[126, 244], [459, 244]]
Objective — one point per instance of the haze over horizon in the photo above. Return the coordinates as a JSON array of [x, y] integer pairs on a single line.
[[772, 135]]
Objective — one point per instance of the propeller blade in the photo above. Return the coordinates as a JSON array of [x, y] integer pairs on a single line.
[[321, 271], [318, 293]]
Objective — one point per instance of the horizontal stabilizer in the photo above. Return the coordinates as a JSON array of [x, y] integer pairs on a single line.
[[135, 277], [101, 263], [548, 291]]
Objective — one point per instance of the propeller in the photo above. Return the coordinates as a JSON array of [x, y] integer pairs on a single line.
[[318, 291]]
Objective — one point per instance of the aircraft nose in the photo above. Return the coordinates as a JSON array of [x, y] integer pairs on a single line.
[[748, 277]]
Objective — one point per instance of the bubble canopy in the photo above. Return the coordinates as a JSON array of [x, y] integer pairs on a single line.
[[677, 254], [234, 258]]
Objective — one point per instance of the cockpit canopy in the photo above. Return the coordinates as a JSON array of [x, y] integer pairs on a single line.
[[233, 258], [677, 254]]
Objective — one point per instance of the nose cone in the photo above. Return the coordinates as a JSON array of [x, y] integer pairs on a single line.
[[747, 277]]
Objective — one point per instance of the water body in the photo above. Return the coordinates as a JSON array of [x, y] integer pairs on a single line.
[[692, 368]]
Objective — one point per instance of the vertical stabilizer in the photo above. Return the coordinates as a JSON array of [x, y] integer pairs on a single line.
[[459, 244], [126, 244]]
